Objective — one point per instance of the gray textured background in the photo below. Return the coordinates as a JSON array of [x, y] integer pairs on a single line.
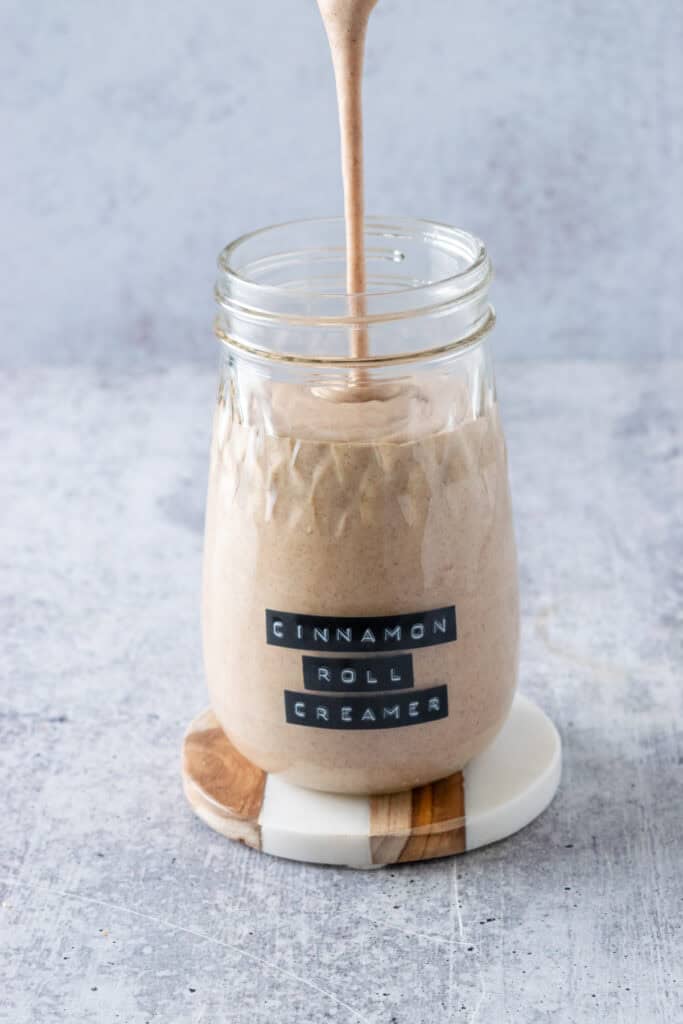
[[139, 138]]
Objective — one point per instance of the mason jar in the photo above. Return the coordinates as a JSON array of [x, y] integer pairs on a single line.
[[360, 592]]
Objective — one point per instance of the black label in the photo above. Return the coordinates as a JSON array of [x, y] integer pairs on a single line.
[[349, 675], [378, 633], [387, 712]]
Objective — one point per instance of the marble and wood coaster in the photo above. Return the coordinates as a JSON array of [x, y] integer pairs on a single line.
[[497, 794]]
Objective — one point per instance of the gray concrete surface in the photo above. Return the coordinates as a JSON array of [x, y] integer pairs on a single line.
[[140, 138], [119, 906]]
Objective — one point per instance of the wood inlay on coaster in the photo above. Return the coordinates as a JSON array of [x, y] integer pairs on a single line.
[[220, 781], [496, 794], [419, 825]]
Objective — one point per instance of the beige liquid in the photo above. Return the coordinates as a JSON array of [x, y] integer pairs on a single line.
[[358, 508]]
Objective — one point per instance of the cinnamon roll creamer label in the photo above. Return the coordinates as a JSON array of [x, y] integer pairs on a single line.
[[368, 684]]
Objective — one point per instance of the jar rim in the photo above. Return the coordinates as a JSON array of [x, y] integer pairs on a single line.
[[454, 274], [483, 327]]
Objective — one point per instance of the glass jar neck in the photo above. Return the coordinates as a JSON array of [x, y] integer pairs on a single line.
[[281, 292]]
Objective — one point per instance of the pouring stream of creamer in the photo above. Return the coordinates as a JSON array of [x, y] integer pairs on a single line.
[[346, 23]]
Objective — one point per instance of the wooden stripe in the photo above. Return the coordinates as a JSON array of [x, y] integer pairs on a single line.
[[419, 825], [223, 787], [438, 820], [390, 821]]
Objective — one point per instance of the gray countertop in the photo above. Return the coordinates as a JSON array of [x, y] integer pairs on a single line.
[[119, 905]]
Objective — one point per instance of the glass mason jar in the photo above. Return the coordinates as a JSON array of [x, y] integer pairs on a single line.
[[360, 595]]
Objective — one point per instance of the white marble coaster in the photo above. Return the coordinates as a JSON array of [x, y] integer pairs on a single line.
[[498, 793]]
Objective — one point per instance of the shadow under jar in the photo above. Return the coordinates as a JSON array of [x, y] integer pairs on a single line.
[[360, 596]]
